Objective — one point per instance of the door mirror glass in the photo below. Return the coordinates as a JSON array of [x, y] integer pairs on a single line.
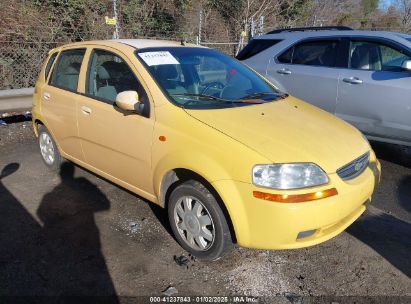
[[129, 101], [406, 65]]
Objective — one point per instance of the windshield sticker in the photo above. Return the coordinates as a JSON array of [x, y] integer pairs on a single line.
[[158, 58]]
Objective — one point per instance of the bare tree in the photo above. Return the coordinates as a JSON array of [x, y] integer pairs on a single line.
[[404, 9]]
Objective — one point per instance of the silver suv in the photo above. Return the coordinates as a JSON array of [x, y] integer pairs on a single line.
[[363, 77]]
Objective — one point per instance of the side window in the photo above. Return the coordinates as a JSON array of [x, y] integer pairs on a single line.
[[49, 64], [67, 69], [109, 75], [374, 56], [318, 53]]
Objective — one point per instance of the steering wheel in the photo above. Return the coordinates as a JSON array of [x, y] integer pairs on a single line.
[[214, 84]]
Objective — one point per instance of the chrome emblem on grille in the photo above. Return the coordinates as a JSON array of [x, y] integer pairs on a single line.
[[354, 168], [358, 166]]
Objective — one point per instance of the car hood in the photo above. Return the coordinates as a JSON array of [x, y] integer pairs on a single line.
[[289, 130]]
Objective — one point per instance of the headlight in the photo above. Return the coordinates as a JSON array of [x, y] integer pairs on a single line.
[[289, 176]]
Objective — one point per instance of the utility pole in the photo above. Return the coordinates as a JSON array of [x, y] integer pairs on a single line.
[[200, 24], [116, 34], [261, 25], [251, 29]]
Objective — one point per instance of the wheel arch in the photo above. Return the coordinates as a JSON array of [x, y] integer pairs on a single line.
[[177, 176], [36, 123]]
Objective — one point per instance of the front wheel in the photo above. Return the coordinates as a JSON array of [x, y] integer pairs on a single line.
[[198, 222]]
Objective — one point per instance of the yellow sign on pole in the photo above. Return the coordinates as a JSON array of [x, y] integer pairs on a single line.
[[110, 21]]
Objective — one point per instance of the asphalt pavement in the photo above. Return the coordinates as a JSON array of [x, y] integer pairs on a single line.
[[73, 233]]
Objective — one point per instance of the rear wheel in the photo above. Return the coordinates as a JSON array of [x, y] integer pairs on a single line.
[[48, 149], [198, 222]]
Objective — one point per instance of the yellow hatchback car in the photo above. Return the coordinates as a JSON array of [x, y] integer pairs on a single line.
[[195, 131]]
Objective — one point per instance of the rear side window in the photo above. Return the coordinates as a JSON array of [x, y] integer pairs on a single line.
[[49, 64], [287, 56], [316, 53], [67, 69], [256, 46]]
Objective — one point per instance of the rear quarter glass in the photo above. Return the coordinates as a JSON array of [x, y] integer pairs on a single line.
[[256, 46], [49, 65]]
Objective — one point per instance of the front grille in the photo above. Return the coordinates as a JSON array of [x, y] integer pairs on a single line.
[[354, 168]]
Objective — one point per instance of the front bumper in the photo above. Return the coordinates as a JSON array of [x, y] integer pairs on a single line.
[[270, 225]]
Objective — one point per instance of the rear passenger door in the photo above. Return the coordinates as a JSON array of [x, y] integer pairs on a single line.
[[374, 92], [59, 100], [309, 70], [116, 143]]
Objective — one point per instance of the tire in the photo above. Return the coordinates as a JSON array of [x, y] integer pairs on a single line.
[[204, 221], [48, 149]]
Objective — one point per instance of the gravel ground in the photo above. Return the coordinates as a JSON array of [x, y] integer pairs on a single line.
[[77, 234], [15, 133]]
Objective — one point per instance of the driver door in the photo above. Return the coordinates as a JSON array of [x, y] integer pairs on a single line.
[[115, 142]]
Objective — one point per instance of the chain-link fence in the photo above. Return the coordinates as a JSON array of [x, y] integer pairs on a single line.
[[20, 60], [21, 55], [20, 63], [29, 29]]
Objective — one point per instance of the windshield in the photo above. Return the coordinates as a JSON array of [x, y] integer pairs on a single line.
[[204, 78]]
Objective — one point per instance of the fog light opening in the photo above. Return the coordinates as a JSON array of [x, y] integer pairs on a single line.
[[305, 234]]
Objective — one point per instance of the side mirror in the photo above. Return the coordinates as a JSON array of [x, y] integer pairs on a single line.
[[406, 65], [129, 101]]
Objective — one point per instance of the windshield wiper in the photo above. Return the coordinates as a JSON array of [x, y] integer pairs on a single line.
[[209, 97], [261, 94]]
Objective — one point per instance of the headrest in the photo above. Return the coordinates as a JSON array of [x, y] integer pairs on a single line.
[[103, 73], [361, 50], [364, 57], [167, 71], [111, 69], [73, 68]]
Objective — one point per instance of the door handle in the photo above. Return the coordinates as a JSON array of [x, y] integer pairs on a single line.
[[353, 80], [46, 96], [86, 110], [284, 71]]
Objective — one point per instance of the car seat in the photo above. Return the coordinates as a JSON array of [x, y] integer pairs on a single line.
[[366, 57], [167, 75], [105, 88], [69, 78]]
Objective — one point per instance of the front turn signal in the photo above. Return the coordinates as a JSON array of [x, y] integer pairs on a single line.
[[295, 198]]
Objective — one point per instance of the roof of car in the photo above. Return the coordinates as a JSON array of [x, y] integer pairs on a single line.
[[146, 43], [136, 43], [319, 33]]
